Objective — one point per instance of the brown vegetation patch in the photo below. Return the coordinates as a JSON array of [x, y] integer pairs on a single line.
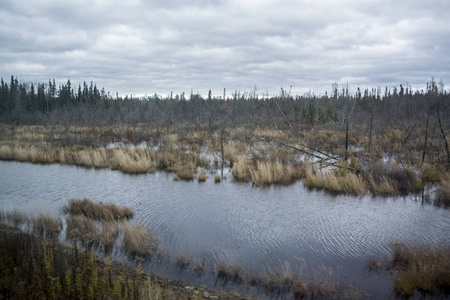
[[46, 223], [420, 268], [185, 174], [137, 240], [202, 177], [443, 194], [98, 211], [81, 228]]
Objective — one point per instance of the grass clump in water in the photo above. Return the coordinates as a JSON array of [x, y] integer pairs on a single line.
[[430, 174], [137, 240], [16, 218], [185, 174], [345, 182], [109, 233], [420, 268], [45, 223], [227, 271], [443, 194], [202, 177], [81, 228], [182, 260], [98, 211]]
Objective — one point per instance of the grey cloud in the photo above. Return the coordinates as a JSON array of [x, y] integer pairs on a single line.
[[162, 46]]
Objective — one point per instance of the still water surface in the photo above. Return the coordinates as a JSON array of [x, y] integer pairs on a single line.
[[258, 228]]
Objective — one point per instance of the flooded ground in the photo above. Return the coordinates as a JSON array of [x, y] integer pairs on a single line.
[[276, 227]]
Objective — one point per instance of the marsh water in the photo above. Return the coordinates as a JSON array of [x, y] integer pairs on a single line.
[[276, 227]]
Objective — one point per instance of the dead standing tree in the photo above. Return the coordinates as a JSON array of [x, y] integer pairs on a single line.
[[322, 156], [444, 138]]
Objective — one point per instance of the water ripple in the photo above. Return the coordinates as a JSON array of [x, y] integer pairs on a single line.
[[250, 226]]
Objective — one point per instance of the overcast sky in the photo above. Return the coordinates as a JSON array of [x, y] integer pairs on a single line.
[[159, 46]]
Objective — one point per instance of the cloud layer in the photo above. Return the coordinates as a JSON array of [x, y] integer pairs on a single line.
[[172, 45]]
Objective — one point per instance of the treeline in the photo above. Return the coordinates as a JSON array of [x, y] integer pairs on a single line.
[[47, 103]]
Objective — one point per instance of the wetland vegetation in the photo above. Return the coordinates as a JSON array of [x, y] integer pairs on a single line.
[[388, 141]]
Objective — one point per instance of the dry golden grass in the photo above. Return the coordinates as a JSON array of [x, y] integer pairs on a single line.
[[217, 179], [242, 169], [185, 174], [133, 161], [274, 172], [344, 182], [98, 211], [202, 177], [270, 164], [443, 194], [430, 174], [426, 268], [232, 151], [128, 160], [137, 240], [266, 172], [384, 188]]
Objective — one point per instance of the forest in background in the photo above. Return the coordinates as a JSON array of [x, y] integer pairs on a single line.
[[386, 141], [25, 103]]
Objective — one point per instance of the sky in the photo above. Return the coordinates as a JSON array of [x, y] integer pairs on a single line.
[[145, 47]]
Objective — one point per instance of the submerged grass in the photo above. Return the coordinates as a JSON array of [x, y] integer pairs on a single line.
[[227, 271]]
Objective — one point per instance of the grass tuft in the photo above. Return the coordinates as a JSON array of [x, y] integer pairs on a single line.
[[109, 233], [98, 211], [426, 268], [46, 223], [185, 174], [202, 177], [443, 194], [137, 240], [182, 261], [227, 271], [81, 228], [16, 218]]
